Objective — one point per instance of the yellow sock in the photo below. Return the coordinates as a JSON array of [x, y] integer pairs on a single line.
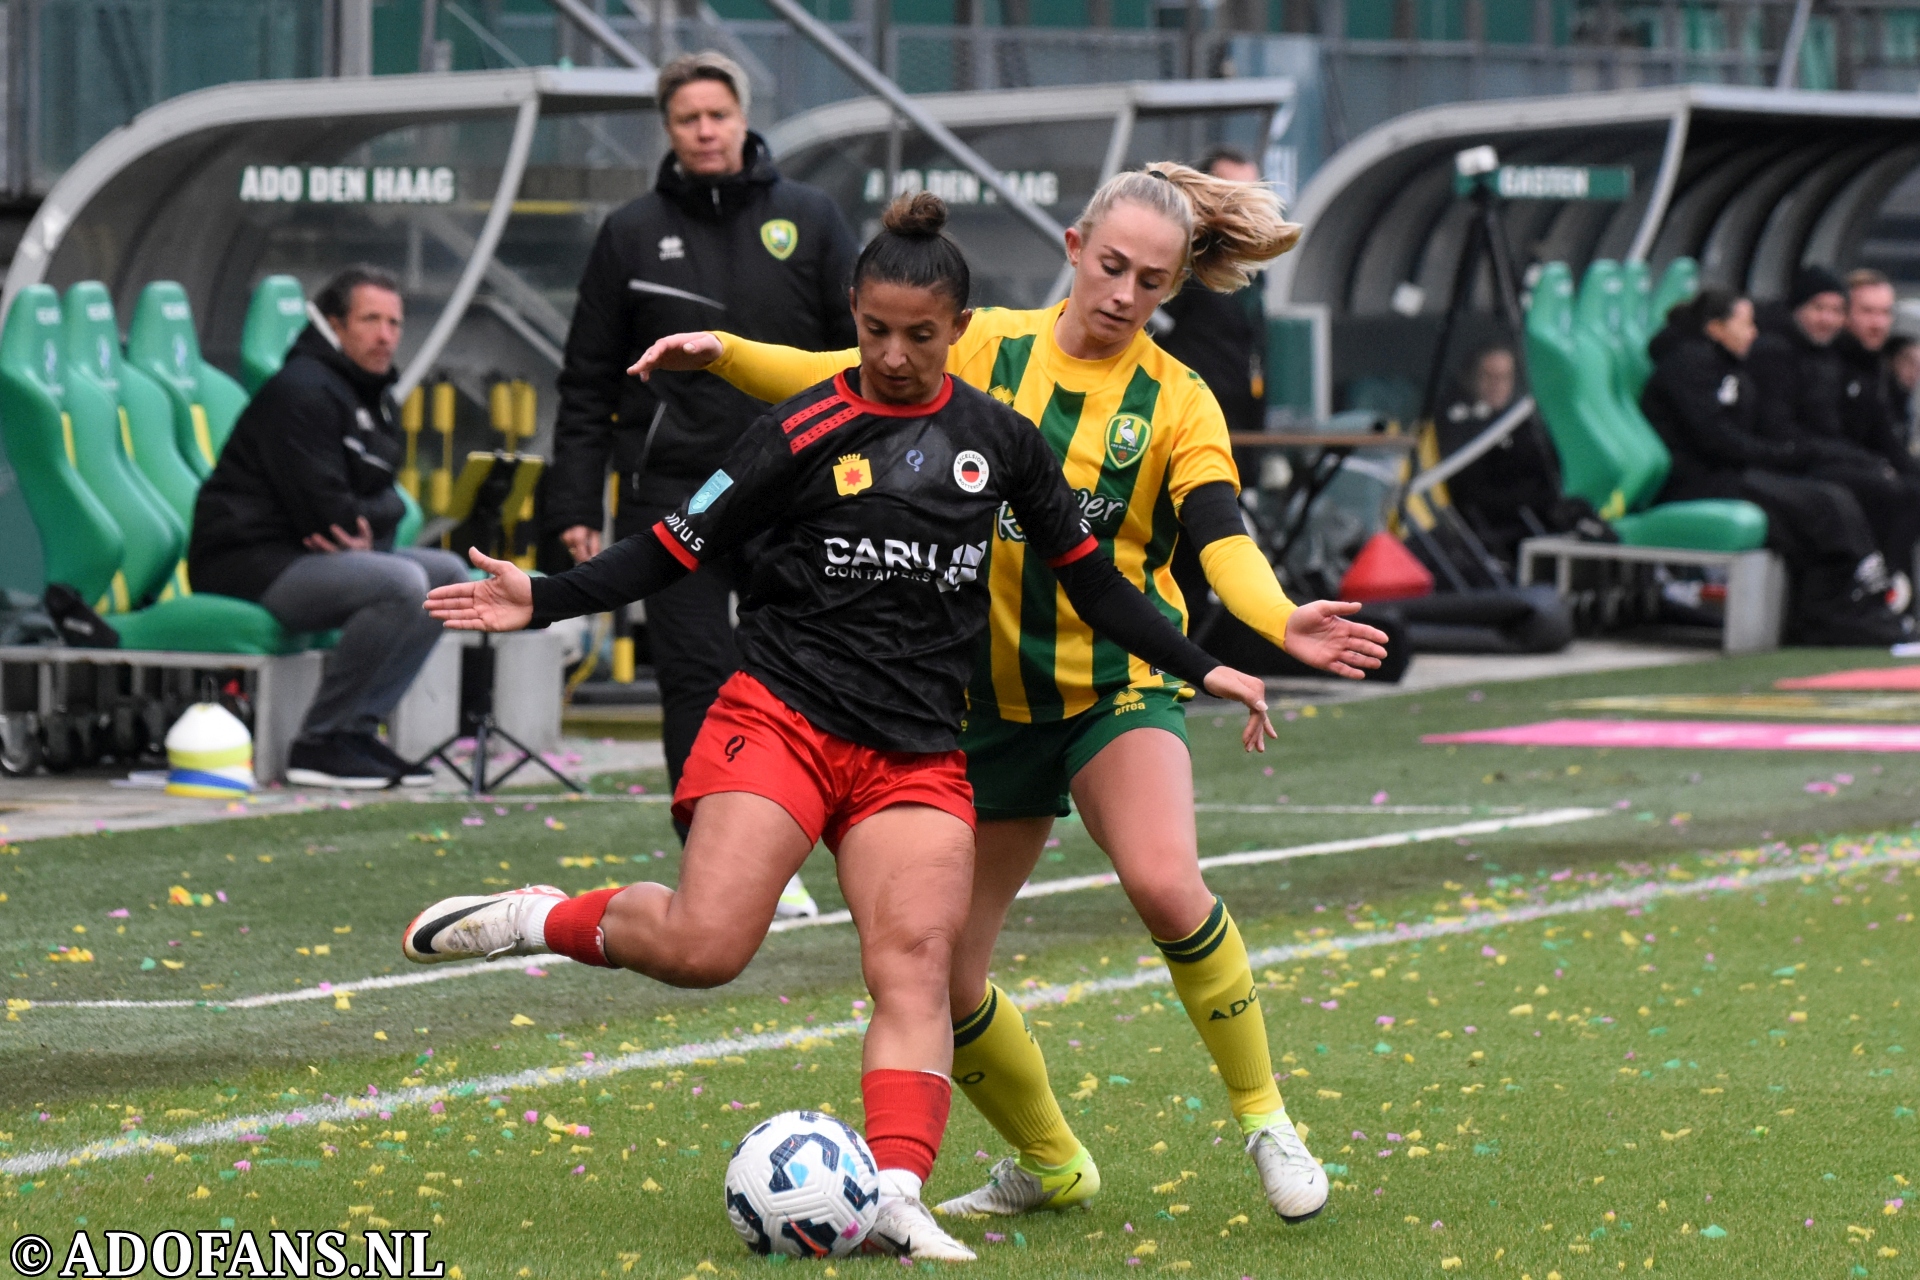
[[1001, 1070], [1215, 981]]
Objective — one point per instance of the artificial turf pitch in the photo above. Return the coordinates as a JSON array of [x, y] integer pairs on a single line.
[[1697, 1083]]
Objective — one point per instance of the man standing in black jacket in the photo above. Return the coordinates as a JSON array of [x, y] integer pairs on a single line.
[[299, 515], [722, 242], [1223, 336]]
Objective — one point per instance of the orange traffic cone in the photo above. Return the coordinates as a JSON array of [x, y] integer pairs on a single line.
[[1385, 570]]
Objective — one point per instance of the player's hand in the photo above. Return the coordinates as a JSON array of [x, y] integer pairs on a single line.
[[1249, 692], [582, 542], [678, 353], [503, 602], [1321, 635]]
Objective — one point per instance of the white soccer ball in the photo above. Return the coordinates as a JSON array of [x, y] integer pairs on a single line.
[[803, 1184]]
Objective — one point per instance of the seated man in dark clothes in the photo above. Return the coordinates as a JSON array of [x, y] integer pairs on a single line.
[[1902, 358], [299, 515], [1223, 336], [1803, 372], [1513, 490], [1869, 420], [1704, 405]]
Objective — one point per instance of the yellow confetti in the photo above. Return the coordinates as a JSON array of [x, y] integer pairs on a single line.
[[522, 1020], [1521, 1011], [200, 1193], [1450, 1264]]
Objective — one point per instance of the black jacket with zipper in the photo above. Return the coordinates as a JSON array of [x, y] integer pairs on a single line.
[[751, 253], [315, 447], [1704, 405]]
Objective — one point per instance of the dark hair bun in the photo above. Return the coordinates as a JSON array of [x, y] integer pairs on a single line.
[[919, 214]]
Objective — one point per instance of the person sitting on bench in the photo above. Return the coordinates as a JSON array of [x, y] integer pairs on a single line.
[[1702, 401], [299, 515]]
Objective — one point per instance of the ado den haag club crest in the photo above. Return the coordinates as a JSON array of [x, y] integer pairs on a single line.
[[1127, 436], [780, 236]]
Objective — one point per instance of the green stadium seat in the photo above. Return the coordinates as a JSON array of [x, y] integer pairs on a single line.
[[49, 417], [206, 402], [1679, 283], [1609, 455], [82, 544], [275, 317], [154, 566], [1636, 302], [148, 424]]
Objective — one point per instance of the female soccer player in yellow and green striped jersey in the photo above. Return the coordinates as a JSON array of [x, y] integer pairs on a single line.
[[1055, 712]]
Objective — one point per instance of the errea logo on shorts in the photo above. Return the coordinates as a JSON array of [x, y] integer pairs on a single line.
[[970, 470]]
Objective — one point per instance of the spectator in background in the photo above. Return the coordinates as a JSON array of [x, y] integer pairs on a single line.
[[1223, 336], [1819, 389], [1902, 356], [299, 515], [1704, 404], [1513, 490], [721, 242]]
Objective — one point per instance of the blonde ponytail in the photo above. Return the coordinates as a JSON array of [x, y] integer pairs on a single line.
[[1232, 227]]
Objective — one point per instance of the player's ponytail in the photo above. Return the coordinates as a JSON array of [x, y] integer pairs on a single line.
[[1232, 227], [914, 249]]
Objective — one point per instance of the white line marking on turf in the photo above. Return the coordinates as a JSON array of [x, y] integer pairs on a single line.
[[33, 1162], [1039, 889], [1354, 810]]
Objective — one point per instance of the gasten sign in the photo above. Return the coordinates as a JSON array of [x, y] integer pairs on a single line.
[[346, 184], [1552, 182]]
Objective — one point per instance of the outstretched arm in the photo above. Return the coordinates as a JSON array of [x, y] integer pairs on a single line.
[[631, 569], [761, 369], [1116, 609], [1319, 634]]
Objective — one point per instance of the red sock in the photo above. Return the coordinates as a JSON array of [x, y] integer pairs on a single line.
[[573, 927], [906, 1118]]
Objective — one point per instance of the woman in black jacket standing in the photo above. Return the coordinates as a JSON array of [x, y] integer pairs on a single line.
[[1704, 405]]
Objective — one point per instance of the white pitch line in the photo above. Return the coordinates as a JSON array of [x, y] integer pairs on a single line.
[[1357, 810], [33, 1162], [1040, 889]]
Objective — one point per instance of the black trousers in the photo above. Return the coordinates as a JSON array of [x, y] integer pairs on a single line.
[[690, 630], [1811, 523], [1891, 504]]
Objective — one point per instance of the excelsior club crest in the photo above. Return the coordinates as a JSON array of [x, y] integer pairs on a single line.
[[1127, 436], [780, 237]]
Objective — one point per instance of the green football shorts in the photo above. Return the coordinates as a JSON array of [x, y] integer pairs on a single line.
[[1023, 770]]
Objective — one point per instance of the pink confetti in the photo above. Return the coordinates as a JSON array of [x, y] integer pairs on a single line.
[[1379, 797], [1329, 1004], [1384, 1020], [579, 1168], [243, 1166], [118, 913], [437, 1108], [532, 1117]]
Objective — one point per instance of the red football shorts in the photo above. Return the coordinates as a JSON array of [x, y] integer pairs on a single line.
[[753, 742]]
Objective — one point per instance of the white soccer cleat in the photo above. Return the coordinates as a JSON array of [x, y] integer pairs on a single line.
[[1296, 1185], [1012, 1190], [795, 902], [904, 1228], [481, 927]]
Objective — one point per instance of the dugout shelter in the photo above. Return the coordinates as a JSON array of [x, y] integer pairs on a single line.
[[1749, 182]]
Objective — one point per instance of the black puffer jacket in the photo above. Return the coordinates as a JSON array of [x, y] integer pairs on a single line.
[[1704, 405], [754, 254], [316, 447], [1866, 418]]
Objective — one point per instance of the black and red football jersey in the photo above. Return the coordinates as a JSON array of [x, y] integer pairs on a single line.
[[867, 595]]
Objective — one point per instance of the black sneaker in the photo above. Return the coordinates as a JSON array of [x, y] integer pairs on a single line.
[[335, 762], [403, 771]]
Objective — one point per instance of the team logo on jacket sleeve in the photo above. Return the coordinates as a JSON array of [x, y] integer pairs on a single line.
[[851, 474], [1127, 436], [780, 237], [970, 470]]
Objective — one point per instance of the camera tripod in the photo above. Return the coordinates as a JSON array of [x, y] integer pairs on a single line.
[[477, 719]]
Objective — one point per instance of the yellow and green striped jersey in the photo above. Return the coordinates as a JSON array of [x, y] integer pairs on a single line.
[[1134, 434]]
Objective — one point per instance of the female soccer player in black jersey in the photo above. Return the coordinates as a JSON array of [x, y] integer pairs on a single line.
[[879, 489]]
